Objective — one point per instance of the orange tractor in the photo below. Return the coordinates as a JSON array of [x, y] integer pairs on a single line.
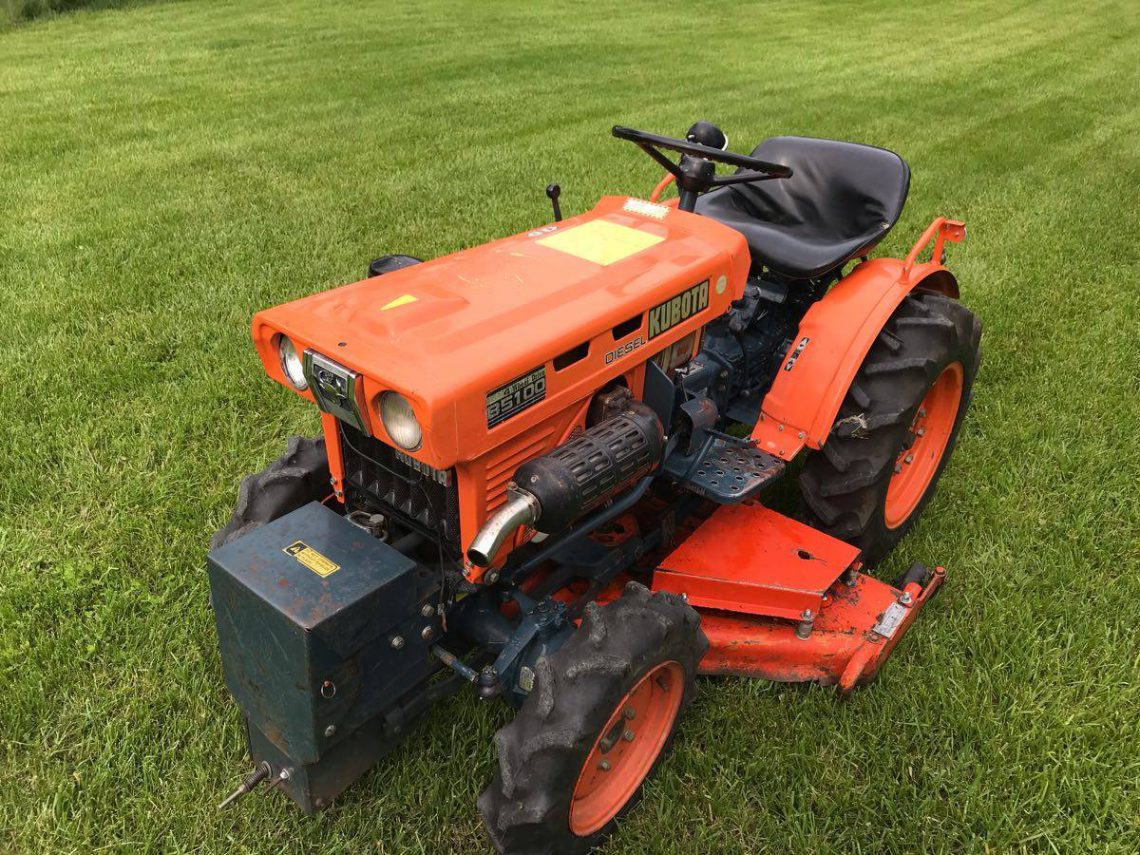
[[541, 470]]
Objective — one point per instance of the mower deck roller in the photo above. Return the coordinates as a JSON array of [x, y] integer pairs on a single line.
[[541, 471]]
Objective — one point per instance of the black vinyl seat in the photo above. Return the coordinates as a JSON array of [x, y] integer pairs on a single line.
[[841, 200]]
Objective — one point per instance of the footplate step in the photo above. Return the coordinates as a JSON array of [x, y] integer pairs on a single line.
[[726, 472]]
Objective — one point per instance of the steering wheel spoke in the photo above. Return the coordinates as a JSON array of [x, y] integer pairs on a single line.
[[668, 165], [652, 142], [695, 172]]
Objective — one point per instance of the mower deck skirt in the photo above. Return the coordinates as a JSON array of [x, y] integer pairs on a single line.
[[845, 644]]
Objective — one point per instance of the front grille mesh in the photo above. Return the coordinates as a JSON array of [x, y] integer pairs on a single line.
[[372, 468]]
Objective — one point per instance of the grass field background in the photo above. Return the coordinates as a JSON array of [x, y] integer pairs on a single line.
[[13, 12], [167, 170]]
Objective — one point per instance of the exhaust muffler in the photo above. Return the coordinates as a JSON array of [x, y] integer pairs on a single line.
[[551, 491]]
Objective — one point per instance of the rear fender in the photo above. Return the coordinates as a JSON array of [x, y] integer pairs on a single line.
[[834, 337]]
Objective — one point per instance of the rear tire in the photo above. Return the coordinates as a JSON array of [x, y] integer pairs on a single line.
[[896, 428], [299, 476], [568, 769]]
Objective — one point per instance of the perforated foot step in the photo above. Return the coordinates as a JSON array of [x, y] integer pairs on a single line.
[[727, 473]]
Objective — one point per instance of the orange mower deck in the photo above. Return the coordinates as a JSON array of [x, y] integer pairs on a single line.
[[785, 602]]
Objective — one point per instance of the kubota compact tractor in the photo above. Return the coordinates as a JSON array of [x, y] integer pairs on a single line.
[[541, 469]]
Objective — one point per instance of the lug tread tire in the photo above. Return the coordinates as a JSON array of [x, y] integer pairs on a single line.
[[297, 477], [541, 752], [843, 487]]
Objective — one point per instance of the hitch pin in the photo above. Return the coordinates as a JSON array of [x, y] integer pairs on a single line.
[[250, 781]]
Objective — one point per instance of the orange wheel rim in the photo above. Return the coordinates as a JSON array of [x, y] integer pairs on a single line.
[[930, 431], [626, 749]]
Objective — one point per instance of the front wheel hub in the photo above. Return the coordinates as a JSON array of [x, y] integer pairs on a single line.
[[626, 749]]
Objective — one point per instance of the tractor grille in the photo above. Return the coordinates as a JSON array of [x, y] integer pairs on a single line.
[[417, 499]]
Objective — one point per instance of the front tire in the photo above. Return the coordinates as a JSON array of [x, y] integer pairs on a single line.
[[601, 717], [297, 477], [896, 428]]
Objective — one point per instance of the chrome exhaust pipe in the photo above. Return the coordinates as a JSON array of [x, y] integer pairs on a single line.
[[575, 478], [521, 509]]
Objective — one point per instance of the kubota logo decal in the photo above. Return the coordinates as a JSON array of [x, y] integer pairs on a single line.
[[664, 317]]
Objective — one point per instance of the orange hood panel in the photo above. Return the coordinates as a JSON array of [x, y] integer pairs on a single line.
[[447, 332]]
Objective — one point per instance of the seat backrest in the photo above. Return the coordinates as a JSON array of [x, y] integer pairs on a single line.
[[840, 190]]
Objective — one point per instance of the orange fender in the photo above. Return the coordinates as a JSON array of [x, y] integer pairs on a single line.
[[835, 336]]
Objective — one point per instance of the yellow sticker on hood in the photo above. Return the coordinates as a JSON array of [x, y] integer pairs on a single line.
[[399, 301], [601, 241]]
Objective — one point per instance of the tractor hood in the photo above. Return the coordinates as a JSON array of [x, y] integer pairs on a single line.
[[562, 305]]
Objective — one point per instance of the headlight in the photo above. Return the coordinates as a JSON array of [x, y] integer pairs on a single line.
[[400, 422], [291, 363]]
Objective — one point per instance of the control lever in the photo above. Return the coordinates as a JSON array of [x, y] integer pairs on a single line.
[[552, 193]]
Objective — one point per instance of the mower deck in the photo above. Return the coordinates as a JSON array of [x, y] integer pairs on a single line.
[[747, 558], [844, 645], [785, 602]]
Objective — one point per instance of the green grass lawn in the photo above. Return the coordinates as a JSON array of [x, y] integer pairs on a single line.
[[165, 171], [13, 12]]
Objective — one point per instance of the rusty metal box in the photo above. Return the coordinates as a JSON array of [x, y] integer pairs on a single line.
[[321, 631]]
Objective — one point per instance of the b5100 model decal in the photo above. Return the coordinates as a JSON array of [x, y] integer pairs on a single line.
[[514, 397], [667, 315]]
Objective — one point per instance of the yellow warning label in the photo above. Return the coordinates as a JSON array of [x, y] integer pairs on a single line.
[[399, 301], [311, 558], [601, 241]]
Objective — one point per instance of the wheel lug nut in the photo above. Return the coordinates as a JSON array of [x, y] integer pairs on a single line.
[[604, 765], [909, 458], [628, 736], [921, 431], [629, 713], [898, 468]]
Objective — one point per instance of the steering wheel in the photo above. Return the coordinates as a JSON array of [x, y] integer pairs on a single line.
[[695, 172]]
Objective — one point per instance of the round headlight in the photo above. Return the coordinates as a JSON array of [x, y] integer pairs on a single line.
[[400, 422], [291, 363]]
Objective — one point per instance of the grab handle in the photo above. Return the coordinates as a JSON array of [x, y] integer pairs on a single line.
[[941, 230]]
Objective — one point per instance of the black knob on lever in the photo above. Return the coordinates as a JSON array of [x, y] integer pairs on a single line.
[[552, 193]]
